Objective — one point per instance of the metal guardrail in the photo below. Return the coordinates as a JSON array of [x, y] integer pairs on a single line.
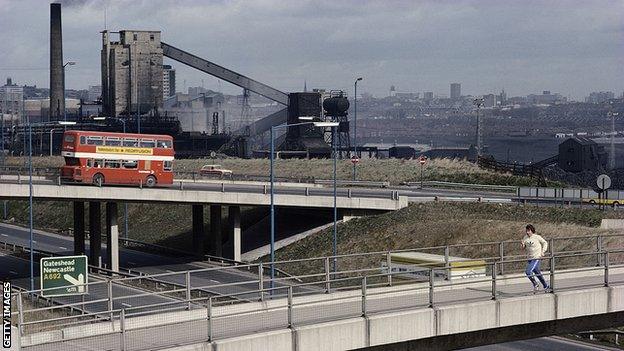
[[573, 194], [290, 312], [364, 183], [433, 183], [255, 285]]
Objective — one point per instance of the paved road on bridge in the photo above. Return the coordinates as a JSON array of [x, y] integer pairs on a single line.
[[544, 344]]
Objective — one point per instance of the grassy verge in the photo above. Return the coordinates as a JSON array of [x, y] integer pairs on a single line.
[[437, 224], [392, 170]]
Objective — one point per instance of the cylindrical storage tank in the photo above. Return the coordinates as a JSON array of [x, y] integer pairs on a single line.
[[336, 106]]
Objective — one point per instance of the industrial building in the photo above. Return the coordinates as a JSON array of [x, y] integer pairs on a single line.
[[169, 81], [132, 72], [580, 154], [11, 102]]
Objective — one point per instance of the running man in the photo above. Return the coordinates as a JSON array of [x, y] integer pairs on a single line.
[[535, 247]]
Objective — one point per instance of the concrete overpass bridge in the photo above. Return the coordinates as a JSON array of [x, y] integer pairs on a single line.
[[370, 307], [196, 195]]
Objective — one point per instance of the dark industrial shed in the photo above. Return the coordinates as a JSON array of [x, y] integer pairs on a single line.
[[579, 154]]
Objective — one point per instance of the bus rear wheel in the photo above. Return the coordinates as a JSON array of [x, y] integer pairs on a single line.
[[150, 182], [98, 179]]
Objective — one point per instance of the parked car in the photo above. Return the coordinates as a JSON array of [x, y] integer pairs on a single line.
[[215, 170]]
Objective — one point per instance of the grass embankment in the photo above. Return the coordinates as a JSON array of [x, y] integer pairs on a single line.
[[392, 170], [437, 224]]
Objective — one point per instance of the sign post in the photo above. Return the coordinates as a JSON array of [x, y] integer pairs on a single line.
[[604, 183], [64, 275], [422, 159]]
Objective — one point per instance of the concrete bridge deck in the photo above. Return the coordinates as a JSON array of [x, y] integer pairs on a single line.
[[362, 318]]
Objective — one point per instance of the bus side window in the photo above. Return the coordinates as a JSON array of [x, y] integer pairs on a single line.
[[130, 164], [89, 162], [83, 140], [97, 163], [167, 166]]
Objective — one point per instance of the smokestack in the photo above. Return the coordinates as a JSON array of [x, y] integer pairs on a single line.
[[57, 81]]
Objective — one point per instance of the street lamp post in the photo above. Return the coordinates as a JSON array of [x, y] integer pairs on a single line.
[[272, 181], [69, 63], [335, 229], [355, 126], [123, 122], [30, 208]]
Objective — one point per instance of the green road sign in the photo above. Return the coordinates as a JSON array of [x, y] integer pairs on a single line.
[[65, 275]]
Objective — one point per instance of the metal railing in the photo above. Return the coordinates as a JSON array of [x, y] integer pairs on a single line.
[[196, 289], [291, 305]]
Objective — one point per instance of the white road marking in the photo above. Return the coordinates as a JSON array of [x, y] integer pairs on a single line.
[[5, 235], [62, 248], [214, 281], [34, 241], [13, 272], [126, 304]]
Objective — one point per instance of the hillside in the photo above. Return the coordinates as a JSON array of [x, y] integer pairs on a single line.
[[435, 224]]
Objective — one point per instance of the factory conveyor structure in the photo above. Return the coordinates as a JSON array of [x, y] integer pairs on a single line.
[[258, 127]]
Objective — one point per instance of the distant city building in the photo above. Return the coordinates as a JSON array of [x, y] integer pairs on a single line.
[[547, 98], [392, 91], [489, 100], [12, 102], [95, 92], [196, 91], [169, 81], [132, 72], [502, 98], [406, 95], [599, 97], [455, 91], [428, 95]]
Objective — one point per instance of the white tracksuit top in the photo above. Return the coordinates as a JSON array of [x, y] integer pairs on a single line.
[[535, 246]]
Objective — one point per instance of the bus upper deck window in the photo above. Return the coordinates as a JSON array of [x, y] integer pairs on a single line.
[[148, 143], [83, 140], [164, 144], [69, 138], [113, 142], [95, 140], [130, 142]]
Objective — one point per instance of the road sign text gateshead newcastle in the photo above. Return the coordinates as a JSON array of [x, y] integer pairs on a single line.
[[6, 315], [63, 275]]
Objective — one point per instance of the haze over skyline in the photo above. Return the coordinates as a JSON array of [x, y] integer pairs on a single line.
[[570, 47]]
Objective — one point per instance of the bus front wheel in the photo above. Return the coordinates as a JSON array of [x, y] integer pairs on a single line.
[[150, 182], [98, 179]]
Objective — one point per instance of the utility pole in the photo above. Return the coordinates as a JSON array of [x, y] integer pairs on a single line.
[[612, 153], [478, 103], [354, 127]]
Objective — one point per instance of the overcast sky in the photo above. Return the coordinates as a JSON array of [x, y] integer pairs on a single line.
[[571, 47]]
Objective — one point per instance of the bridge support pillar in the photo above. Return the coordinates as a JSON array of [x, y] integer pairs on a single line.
[[79, 228], [112, 237], [234, 233], [216, 247], [199, 233], [95, 234]]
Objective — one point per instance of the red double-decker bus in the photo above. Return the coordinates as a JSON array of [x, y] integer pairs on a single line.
[[117, 158]]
